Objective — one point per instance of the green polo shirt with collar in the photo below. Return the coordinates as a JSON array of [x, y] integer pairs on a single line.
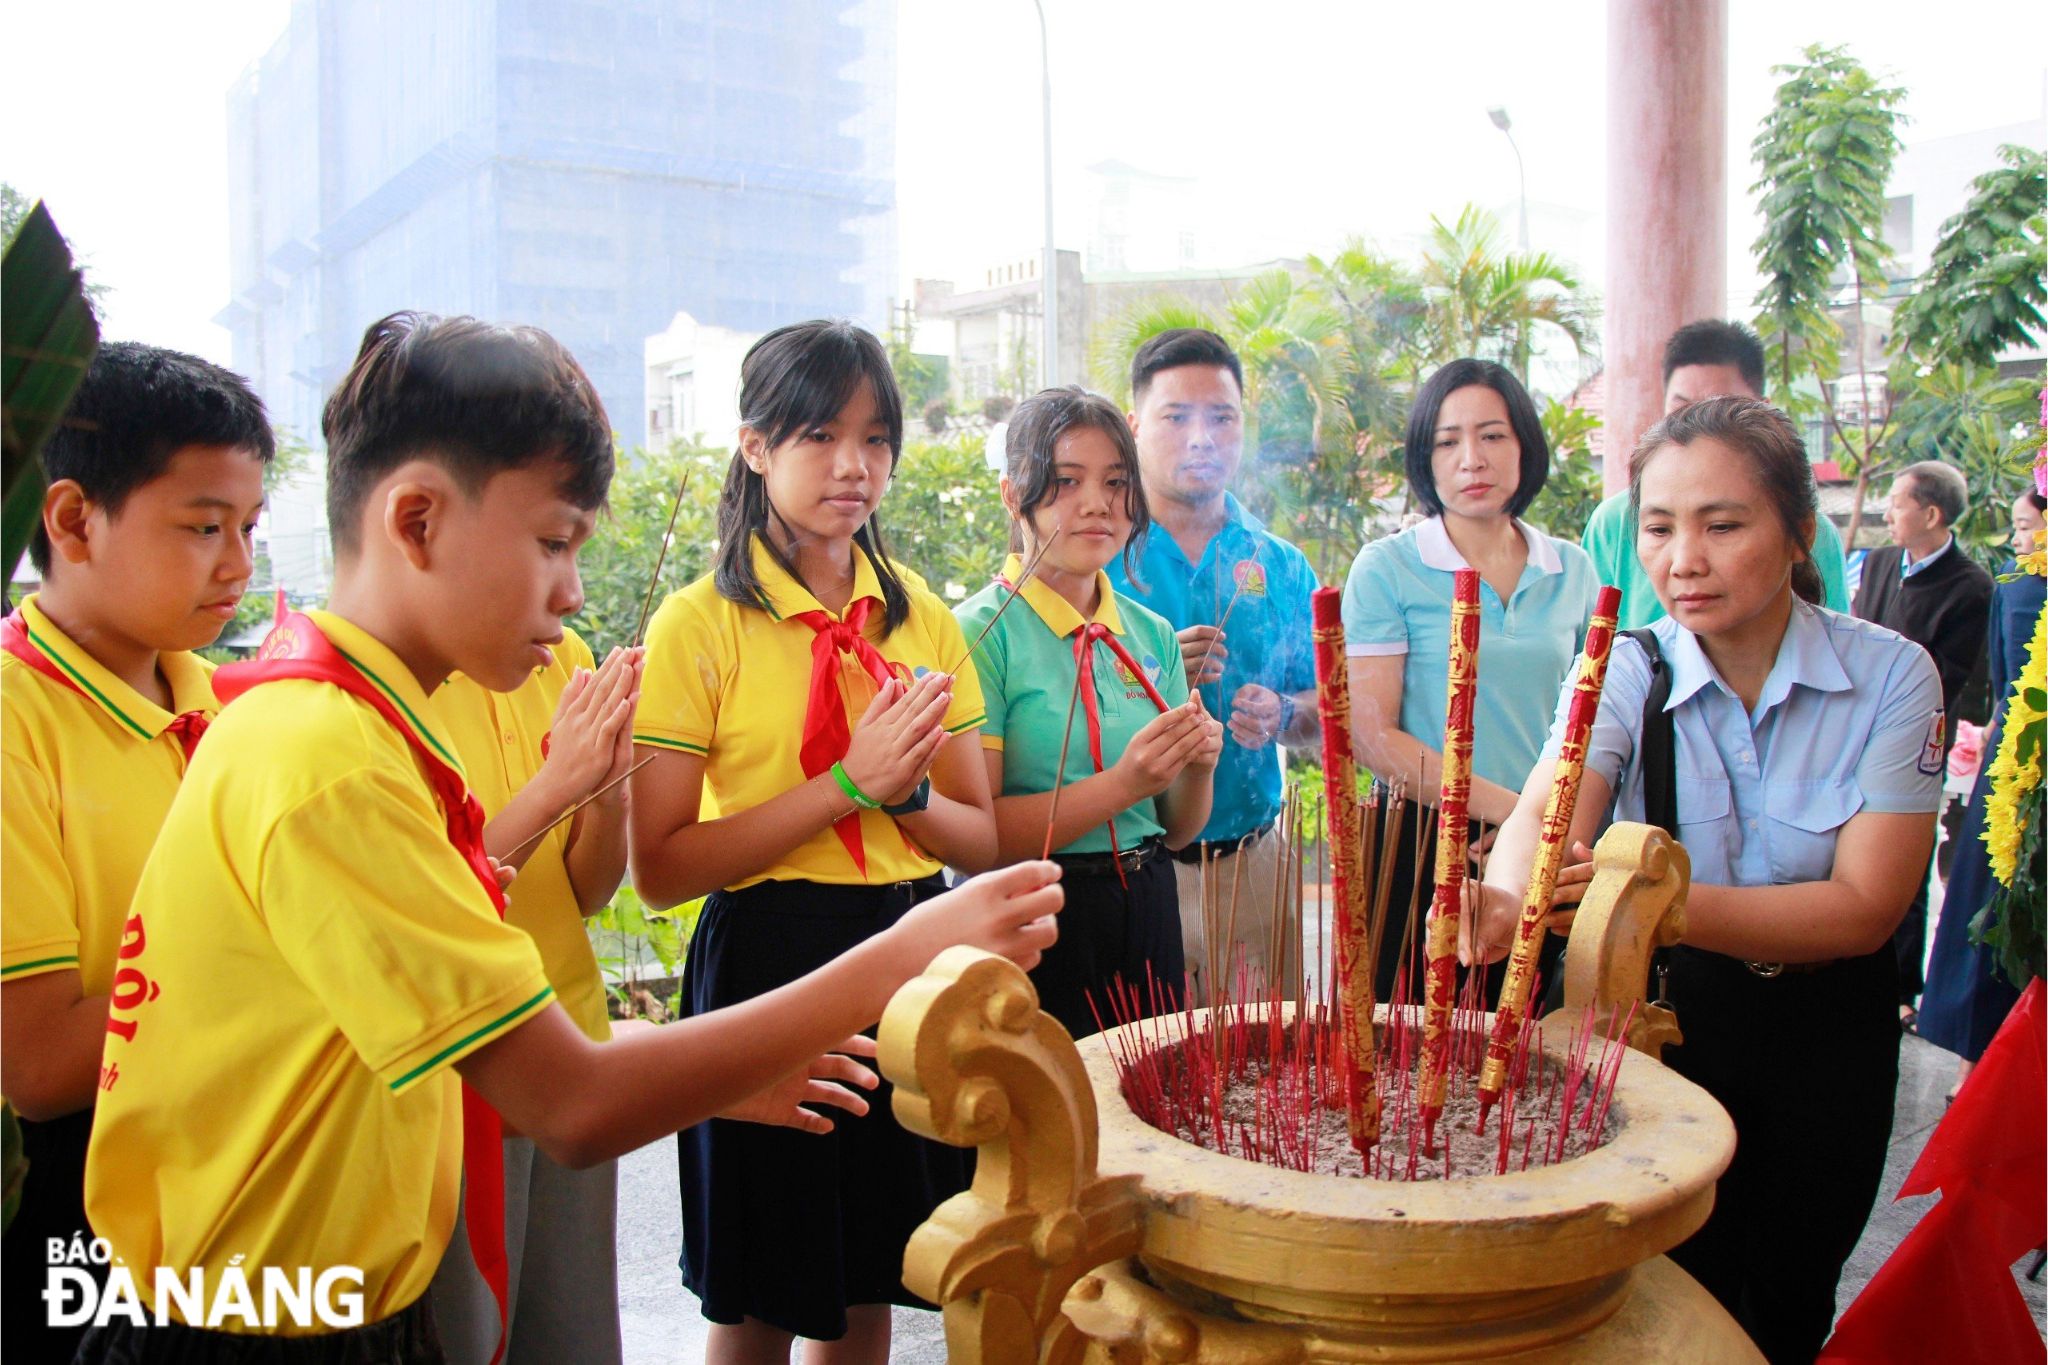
[[1027, 669]]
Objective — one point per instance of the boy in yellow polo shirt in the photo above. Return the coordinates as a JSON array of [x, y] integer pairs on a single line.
[[317, 944], [530, 754], [154, 483]]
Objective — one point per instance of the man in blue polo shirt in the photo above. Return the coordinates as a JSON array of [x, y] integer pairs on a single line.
[[1206, 559]]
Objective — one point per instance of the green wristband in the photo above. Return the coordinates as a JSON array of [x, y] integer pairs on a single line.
[[853, 793]]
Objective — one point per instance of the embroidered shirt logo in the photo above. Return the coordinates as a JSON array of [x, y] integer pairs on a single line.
[[1931, 752], [1250, 577]]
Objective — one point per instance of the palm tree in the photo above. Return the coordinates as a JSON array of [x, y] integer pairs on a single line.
[[1483, 300]]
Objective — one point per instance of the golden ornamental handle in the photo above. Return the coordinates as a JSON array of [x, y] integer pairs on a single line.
[[976, 1063], [1634, 905]]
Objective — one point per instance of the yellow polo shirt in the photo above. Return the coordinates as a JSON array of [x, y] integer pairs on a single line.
[[309, 956], [730, 683], [85, 781], [498, 737]]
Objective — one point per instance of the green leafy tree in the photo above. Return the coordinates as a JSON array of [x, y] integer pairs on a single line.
[[618, 562], [1984, 287], [1482, 300], [943, 515], [1824, 156], [1574, 487]]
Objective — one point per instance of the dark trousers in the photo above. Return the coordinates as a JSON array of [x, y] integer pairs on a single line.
[[1113, 931], [1807, 1065], [52, 1210], [1909, 941], [407, 1337], [1414, 888]]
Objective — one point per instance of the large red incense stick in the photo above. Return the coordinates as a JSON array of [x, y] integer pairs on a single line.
[[1551, 847], [1440, 978], [1354, 968]]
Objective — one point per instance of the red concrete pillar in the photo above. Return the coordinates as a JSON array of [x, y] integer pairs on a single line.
[[1667, 231]]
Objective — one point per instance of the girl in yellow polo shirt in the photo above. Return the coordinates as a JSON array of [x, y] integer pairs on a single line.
[[1079, 674], [809, 685]]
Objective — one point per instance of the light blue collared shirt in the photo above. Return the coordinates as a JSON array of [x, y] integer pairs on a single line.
[[1849, 720], [1908, 566], [1397, 600], [1269, 641]]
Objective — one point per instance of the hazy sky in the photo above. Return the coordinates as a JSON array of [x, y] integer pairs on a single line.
[[1299, 122]]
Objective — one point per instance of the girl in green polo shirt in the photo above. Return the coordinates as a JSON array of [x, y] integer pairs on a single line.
[[1094, 746]]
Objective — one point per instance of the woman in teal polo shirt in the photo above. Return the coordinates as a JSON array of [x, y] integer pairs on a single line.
[[1476, 458], [1139, 752], [1805, 769]]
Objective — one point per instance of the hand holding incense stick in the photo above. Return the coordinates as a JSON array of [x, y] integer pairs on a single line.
[[1440, 978], [537, 835], [1340, 786], [1551, 846]]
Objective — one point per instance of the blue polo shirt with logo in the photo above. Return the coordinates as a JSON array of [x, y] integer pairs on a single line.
[[1268, 636]]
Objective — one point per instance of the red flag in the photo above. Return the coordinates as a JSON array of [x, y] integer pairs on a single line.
[[1946, 1292]]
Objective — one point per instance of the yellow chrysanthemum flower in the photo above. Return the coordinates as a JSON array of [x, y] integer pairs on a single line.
[[2010, 780]]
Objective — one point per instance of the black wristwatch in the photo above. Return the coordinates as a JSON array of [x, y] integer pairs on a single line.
[[919, 799], [1287, 711]]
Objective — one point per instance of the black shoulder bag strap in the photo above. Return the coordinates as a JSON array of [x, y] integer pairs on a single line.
[[1659, 740], [1658, 737]]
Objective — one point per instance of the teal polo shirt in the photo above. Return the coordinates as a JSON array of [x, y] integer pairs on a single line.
[[1026, 666], [1268, 638], [1397, 600], [1610, 541]]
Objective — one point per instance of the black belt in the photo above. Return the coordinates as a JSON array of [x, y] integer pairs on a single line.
[[1149, 850], [1220, 848]]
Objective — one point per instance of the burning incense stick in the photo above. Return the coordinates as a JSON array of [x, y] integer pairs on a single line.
[[1059, 773], [661, 557], [1016, 591], [1354, 973], [536, 836], [1224, 620], [1440, 978], [1551, 848]]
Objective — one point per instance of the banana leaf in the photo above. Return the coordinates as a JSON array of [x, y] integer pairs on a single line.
[[47, 337]]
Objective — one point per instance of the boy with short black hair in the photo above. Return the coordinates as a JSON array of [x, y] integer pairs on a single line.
[[320, 932], [154, 482]]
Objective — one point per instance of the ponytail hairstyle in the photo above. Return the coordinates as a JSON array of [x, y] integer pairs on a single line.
[[1031, 443], [1776, 455], [793, 379]]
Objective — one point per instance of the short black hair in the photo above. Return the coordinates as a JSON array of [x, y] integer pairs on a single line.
[[474, 397], [1178, 346], [797, 377], [1717, 341], [136, 408], [1031, 440], [1522, 420]]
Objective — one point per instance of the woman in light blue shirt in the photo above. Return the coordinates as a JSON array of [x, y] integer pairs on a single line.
[[1807, 760], [1476, 459]]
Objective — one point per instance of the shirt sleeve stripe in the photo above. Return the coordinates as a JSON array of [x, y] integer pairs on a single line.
[[701, 750], [39, 964], [966, 725], [463, 1044], [1382, 649]]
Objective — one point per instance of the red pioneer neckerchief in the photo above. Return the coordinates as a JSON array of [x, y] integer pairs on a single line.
[[826, 732], [296, 648], [14, 639], [1085, 637]]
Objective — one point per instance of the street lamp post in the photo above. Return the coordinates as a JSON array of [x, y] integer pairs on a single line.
[[1499, 116], [1049, 361]]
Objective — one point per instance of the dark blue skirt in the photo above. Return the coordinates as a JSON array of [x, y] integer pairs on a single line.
[[1966, 999], [786, 1227]]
